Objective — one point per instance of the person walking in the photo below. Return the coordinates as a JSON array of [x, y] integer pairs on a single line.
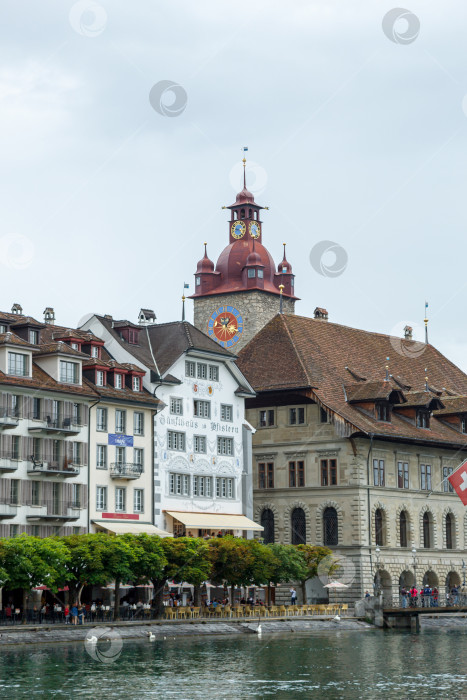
[[435, 597], [293, 596], [66, 614], [413, 597]]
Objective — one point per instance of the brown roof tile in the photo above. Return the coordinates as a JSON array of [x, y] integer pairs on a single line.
[[293, 352]]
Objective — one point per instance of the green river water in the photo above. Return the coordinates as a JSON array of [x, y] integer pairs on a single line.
[[339, 664]]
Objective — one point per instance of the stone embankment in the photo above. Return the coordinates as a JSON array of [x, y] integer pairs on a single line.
[[162, 630]]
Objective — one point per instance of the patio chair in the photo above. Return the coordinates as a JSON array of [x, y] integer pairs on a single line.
[[283, 611], [227, 611], [195, 612], [170, 613], [344, 608]]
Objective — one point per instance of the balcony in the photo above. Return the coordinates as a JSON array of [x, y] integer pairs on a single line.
[[58, 511], [8, 509], [61, 468], [9, 418], [44, 423], [125, 470], [9, 461]]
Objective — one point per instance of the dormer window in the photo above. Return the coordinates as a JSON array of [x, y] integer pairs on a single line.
[[464, 424], [198, 281], [136, 383], [99, 378], [251, 273], [69, 372], [423, 419], [18, 364], [34, 337], [118, 381], [132, 336], [260, 274], [94, 351], [383, 411], [3, 328], [75, 346]]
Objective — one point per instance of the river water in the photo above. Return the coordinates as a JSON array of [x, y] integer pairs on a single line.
[[332, 665]]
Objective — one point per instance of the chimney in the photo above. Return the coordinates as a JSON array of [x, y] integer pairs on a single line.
[[320, 314], [146, 317], [49, 316], [17, 309], [408, 332]]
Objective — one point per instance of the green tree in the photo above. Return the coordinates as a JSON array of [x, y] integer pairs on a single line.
[[86, 564], [187, 560], [150, 561], [314, 555], [240, 562], [290, 565], [29, 561], [118, 559]]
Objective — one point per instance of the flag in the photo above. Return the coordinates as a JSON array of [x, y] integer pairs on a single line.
[[186, 286], [245, 148], [426, 305], [458, 481]]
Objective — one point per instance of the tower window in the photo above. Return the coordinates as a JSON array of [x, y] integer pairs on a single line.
[[251, 273], [198, 281], [261, 274]]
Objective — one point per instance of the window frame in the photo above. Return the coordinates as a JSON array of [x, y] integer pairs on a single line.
[[266, 475], [199, 404], [328, 471], [101, 503], [177, 438], [138, 494], [99, 425], [425, 477], [176, 402], [378, 472], [68, 368], [225, 446], [138, 423], [121, 412], [101, 449], [403, 474], [17, 368], [120, 499], [198, 442], [299, 415], [227, 412]]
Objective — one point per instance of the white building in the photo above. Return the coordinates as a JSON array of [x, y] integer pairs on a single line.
[[202, 443]]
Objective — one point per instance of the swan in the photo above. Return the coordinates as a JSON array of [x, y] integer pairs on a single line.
[[259, 630], [151, 636], [336, 619]]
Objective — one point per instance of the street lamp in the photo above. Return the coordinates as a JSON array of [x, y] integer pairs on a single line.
[[377, 552]]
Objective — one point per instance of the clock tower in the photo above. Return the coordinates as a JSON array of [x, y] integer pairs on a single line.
[[239, 295]]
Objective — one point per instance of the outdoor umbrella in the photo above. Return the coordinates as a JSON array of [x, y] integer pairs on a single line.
[[335, 584]]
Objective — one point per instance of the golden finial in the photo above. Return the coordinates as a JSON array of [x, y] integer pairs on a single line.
[[281, 288]]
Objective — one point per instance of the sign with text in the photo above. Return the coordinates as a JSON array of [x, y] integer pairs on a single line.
[[121, 516], [120, 440]]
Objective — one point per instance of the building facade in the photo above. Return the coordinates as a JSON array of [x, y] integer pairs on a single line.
[[236, 297], [202, 443], [356, 433], [44, 423]]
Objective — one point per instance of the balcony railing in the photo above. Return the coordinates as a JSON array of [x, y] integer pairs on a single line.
[[44, 422], [125, 470], [9, 461], [8, 508], [9, 417], [53, 510], [52, 468]]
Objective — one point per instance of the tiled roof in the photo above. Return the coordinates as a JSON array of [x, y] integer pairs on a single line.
[[373, 391], [423, 399], [12, 339], [452, 405], [168, 342], [125, 395], [62, 348], [295, 352], [42, 381]]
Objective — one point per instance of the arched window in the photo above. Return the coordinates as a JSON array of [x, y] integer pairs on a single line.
[[242, 213], [250, 213], [426, 530], [267, 521], [330, 527], [449, 531], [403, 528], [379, 527], [298, 526]]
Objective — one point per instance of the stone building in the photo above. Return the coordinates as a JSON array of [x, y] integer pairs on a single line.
[[234, 299], [356, 433]]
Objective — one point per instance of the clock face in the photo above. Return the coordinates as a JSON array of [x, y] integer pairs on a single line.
[[238, 229], [225, 326], [254, 229]]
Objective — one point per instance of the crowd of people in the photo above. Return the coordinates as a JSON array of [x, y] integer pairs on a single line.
[[428, 597]]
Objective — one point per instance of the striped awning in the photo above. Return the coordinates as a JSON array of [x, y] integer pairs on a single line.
[[133, 528]]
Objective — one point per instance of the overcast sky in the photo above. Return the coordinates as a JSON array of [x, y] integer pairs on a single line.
[[357, 139]]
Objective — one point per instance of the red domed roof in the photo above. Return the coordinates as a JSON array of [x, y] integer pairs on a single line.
[[236, 256], [245, 197], [254, 258], [205, 264], [284, 266]]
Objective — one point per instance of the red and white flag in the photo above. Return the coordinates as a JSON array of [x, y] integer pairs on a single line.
[[458, 481]]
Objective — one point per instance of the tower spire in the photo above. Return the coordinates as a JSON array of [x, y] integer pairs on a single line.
[[244, 172], [425, 320]]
